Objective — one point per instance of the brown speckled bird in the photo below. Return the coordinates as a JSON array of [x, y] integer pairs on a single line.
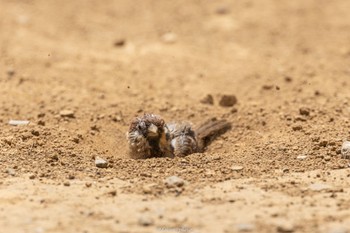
[[149, 136]]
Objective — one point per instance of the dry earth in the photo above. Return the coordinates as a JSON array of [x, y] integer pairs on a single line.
[[80, 70]]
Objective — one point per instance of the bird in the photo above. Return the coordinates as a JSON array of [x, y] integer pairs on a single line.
[[149, 136]]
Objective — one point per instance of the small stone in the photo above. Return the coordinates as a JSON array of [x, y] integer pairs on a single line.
[[112, 193], [169, 38], [76, 140], [323, 143], [119, 43], [88, 184], [222, 11], [66, 183], [319, 187], [11, 172], [267, 87], [302, 157], [245, 227], [208, 100], [304, 111], [174, 181], [18, 122], [41, 122], [228, 100], [234, 110], [35, 132], [148, 188], [297, 127], [11, 72], [100, 163], [32, 176], [345, 150], [237, 168], [145, 221], [67, 113], [327, 158], [285, 227], [288, 79]]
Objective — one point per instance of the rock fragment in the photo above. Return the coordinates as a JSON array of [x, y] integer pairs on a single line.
[[174, 181], [119, 43], [228, 100], [301, 157], [169, 38], [67, 113], [237, 168], [285, 227], [304, 111], [297, 127], [319, 187], [11, 72], [245, 227], [208, 100], [345, 150], [100, 162], [18, 122], [145, 221]]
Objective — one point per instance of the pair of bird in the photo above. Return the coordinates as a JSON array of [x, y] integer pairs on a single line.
[[149, 136]]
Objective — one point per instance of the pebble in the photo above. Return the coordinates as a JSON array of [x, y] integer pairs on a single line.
[[222, 11], [112, 193], [174, 181], [237, 168], [11, 72], [119, 43], [67, 113], [304, 111], [100, 162], [35, 132], [11, 171], [145, 221], [288, 79], [297, 127], [302, 157], [148, 188], [169, 38], [18, 122], [345, 150], [319, 187], [245, 227], [228, 100], [208, 100], [285, 227]]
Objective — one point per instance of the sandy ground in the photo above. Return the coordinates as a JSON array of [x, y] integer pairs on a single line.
[[80, 70]]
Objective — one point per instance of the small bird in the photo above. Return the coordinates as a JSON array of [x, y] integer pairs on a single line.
[[149, 136]]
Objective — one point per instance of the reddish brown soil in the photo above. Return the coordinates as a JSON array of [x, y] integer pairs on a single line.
[[287, 62]]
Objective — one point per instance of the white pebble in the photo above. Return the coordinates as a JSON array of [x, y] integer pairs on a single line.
[[345, 150]]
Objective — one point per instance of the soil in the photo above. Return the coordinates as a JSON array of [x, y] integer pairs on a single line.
[[79, 71]]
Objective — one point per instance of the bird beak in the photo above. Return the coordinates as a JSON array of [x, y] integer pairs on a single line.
[[152, 130]]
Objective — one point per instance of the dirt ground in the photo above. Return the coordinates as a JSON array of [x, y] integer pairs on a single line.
[[79, 71]]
